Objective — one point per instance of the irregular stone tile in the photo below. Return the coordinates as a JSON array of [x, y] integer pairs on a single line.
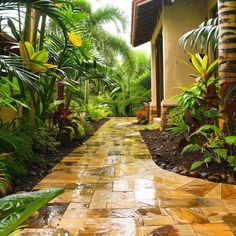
[[49, 215], [187, 216], [212, 230], [141, 184], [124, 226], [216, 218], [42, 232], [228, 191], [123, 213], [114, 188], [122, 204], [88, 180], [112, 160], [199, 187], [56, 177], [158, 220], [144, 195], [189, 203], [100, 172], [215, 192], [123, 185], [166, 230], [77, 210], [168, 182], [214, 210], [44, 185], [180, 194], [77, 195], [230, 219]]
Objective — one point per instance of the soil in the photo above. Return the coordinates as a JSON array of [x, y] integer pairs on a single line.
[[38, 171], [166, 150]]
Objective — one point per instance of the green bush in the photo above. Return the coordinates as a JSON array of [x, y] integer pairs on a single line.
[[96, 114]]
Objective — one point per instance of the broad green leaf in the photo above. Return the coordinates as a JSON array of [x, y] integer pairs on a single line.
[[23, 51], [212, 67], [206, 128], [208, 159], [30, 49], [191, 148], [55, 103], [41, 56], [196, 64], [196, 164], [205, 63], [17, 208]]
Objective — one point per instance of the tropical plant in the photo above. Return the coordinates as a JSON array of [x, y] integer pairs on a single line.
[[220, 34], [5, 179], [68, 124], [214, 146], [203, 37], [131, 87], [16, 208], [142, 117], [201, 100], [176, 122]]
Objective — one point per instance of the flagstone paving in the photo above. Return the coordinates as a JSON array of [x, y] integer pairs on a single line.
[[112, 187]]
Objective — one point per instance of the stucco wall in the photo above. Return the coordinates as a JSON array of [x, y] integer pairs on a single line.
[[178, 19]]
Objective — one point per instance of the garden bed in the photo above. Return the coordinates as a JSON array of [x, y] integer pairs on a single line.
[[38, 171], [166, 150]]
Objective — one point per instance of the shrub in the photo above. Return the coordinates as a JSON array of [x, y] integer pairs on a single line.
[[176, 122], [142, 117]]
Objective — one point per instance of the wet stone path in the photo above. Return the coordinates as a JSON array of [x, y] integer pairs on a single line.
[[112, 187]]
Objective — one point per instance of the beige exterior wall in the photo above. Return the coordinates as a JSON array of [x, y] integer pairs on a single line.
[[211, 4], [179, 18]]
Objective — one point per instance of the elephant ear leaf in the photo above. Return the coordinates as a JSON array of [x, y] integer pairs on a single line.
[[16, 208]]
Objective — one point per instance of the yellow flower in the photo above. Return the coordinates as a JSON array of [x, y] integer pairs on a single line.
[[75, 39]]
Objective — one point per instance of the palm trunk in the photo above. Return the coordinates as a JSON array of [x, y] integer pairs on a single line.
[[227, 56]]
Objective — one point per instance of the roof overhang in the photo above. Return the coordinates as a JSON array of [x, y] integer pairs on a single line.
[[145, 14]]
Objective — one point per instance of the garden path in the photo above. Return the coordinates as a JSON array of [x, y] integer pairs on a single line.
[[112, 187]]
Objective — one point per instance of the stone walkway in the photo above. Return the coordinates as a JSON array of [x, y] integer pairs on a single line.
[[112, 187]]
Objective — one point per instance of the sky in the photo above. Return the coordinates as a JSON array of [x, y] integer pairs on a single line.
[[126, 7]]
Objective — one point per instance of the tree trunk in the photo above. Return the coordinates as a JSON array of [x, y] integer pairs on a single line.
[[227, 56]]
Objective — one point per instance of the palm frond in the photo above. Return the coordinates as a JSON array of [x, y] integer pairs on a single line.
[[108, 14], [46, 7], [203, 37]]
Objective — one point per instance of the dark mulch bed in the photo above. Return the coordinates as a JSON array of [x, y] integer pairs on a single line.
[[38, 171], [166, 153]]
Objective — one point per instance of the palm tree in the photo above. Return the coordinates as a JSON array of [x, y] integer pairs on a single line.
[[131, 88], [227, 56], [105, 43]]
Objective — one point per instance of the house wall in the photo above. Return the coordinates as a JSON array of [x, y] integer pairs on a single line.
[[177, 19], [210, 5]]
